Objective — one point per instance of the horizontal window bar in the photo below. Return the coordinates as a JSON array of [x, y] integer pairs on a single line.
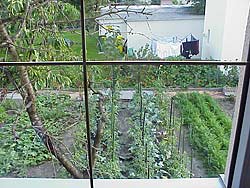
[[45, 63]]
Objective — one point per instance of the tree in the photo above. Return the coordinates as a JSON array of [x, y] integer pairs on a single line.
[[33, 31], [27, 34]]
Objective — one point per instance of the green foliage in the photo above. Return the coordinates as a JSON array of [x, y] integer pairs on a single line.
[[107, 159], [53, 106], [40, 37], [199, 6], [154, 157], [113, 43], [17, 154], [144, 53], [175, 2], [108, 163], [175, 76], [44, 77], [197, 76], [3, 115], [210, 129], [93, 53]]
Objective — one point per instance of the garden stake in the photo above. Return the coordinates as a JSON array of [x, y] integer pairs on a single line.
[[183, 140], [140, 94], [148, 171], [179, 143], [171, 110], [146, 158], [190, 139], [172, 131], [191, 174], [143, 127], [113, 112]]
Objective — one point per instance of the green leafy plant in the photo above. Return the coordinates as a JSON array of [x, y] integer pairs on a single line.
[[210, 129], [19, 147], [3, 115], [153, 156]]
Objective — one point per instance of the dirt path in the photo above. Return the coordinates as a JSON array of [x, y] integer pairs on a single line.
[[124, 140], [194, 165], [227, 106], [52, 169]]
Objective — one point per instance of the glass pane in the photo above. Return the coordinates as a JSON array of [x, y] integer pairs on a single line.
[[161, 121], [122, 30], [146, 121], [43, 133], [40, 31], [164, 30]]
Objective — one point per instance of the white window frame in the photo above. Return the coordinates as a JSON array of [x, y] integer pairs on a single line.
[[237, 174]]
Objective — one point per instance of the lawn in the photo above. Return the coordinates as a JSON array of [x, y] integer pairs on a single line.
[[92, 49]]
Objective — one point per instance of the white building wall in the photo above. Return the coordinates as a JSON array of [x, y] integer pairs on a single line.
[[117, 24], [214, 29], [235, 30], [226, 20], [144, 31]]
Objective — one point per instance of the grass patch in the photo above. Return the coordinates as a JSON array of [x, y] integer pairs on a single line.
[[91, 41], [75, 36]]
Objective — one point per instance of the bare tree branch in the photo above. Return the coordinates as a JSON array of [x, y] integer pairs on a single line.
[[100, 125], [11, 19], [23, 21]]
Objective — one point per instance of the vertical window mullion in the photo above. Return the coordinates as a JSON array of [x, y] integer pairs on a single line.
[[86, 96]]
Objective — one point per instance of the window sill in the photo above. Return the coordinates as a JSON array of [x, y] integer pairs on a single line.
[[110, 183]]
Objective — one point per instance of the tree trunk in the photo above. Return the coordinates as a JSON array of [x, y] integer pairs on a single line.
[[29, 98], [100, 128]]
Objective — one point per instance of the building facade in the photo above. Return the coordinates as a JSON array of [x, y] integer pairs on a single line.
[[225, 21]]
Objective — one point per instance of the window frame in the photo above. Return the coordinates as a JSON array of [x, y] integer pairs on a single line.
[[239, 153]]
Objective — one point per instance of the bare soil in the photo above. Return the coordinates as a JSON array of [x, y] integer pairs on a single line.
[[194, 165], [124, 140], [52, 169]]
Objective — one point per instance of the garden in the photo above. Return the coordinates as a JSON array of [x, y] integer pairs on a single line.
[[146, 121]]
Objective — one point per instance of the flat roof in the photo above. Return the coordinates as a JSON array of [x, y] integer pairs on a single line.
[[152, 13]]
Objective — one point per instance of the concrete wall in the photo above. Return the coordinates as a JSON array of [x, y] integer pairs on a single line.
[[238, 99], [214, 29], [235, 29], [144, 31]]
